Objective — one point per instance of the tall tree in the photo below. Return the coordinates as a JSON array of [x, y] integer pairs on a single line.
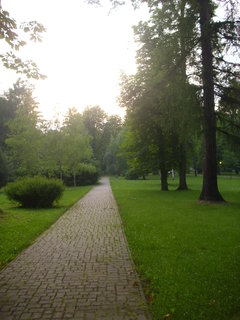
[[94, 119], [24, 136], [53, 153], [147, 141], [162, 92], [216, 38], [111, 130], [7, 112], [77, 149], [210, 190]]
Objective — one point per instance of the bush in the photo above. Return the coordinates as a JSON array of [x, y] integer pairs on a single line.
[[132, 174], [37, 192], [87, 174]]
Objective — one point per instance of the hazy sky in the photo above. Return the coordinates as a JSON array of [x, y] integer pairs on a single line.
[[82, 53]]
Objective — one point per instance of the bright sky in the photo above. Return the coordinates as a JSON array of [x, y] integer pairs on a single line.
[[83, 52]]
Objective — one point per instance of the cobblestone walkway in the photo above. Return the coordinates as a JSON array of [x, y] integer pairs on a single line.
[[78, 269]]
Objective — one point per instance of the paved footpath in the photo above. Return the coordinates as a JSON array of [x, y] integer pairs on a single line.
[[80, 268]]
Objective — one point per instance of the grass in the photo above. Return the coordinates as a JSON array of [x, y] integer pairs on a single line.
[[187, 253], [20, 227]]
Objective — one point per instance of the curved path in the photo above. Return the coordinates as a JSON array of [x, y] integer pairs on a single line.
[[80, 268]]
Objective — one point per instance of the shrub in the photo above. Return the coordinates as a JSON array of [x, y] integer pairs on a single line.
[[37, 192], [132, 174], [87, 174]]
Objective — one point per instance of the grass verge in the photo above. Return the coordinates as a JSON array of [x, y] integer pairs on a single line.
[[187, 253], [20, 227]]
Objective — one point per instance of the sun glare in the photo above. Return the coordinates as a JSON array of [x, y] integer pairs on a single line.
[[82, 54]]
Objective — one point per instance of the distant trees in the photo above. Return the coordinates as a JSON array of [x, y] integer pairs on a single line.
[[76, 150], [76, 142], [13, 40], [140, 154], [28, 148], [94, 119], [114, 160], [185, 89], [102, 129]]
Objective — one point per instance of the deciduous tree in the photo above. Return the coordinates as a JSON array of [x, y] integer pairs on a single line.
[[10, 33]]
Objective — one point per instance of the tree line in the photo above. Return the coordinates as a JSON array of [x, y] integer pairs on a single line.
[[186, 88], [182, 105], [85, 145], [72, 150]]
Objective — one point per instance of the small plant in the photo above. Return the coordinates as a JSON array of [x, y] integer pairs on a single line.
[[36, 192]]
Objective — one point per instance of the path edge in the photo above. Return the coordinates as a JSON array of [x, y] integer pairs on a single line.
[[131, 257], [45, 231]]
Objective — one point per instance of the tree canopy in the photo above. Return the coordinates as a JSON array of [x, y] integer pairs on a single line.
[[12, 34], [182, 69]]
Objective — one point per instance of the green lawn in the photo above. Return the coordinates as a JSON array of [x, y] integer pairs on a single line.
[[187, 253], [20, 227]]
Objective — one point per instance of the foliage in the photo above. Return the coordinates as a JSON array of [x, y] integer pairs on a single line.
[[94, 119], [187, 253], [24, 136], [181, 60], [33, 146], [227, 158], [52, 159], [7, 112], [140, 154], [8, 107], [86, 174], [77, 149], [24, 140], [10, 32], [3, 169], [19, 227], [227, 154], [114, 160], [228, 115], [102, 129], [162, 105], [133, 174], [36, 192]]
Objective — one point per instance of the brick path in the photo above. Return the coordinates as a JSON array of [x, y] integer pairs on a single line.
[[78, 269]]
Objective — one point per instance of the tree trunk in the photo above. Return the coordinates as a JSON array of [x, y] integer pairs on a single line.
[[162, 163], [195, 166], [74, 180], [164, 176], [182, 168], [182, 158], [210, 188]]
